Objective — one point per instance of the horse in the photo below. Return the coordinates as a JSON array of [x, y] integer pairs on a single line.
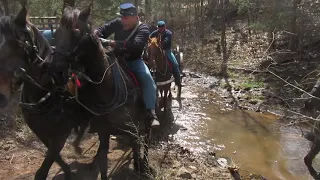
[[163, 73], [310, 108], [104, 88], [24, 59]]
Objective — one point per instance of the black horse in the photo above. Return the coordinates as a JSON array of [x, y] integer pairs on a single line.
[[24, 56], [105, 89]]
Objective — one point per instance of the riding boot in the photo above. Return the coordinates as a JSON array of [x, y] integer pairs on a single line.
[[153, 118]]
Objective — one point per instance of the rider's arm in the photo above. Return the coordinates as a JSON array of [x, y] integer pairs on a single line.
[[109, 28], [138, 43], [167, 40]]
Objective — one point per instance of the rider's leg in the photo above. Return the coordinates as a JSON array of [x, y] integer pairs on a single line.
[[140, 69], [175, 67]]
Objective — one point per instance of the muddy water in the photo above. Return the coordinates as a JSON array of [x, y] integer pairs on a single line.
[[258, 143]]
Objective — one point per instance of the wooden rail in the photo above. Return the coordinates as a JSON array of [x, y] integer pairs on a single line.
[[45, 23]]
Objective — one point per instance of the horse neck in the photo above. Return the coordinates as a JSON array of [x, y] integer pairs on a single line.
[[96, 64], [97, 67], [160, 59], [31, 92]]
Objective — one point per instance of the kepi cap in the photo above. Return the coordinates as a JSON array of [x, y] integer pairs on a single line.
[[161, 23], [128, 9]]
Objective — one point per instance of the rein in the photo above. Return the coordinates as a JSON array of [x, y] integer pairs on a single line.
[[114, 66]]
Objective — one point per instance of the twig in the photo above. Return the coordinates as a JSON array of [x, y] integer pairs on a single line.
[[271, 42], [11, 159], [90, 147], [308, 117], [293, 85]]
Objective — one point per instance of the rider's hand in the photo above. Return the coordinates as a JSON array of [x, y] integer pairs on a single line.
[[96, 33], [113, 43]]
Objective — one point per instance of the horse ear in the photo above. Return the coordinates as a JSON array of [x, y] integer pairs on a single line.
[[21, 18], [85, 13]]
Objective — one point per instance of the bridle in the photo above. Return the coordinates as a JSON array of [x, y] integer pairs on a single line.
[[163, 57], [31, 52]]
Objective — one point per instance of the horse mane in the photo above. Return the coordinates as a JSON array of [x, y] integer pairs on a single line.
[[70, 17], [69, 20], [153, 41]]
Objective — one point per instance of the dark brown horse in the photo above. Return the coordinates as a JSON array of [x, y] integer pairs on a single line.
[[23, 52], [158, 62], [106, 90], [311, 106]]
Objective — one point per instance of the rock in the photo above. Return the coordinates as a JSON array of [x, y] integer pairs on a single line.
[[176, 164], [113, 137], [222, 162], [253, 101], [7, 157], [183, 129], [6, 147], [184, 173], [193, 168]]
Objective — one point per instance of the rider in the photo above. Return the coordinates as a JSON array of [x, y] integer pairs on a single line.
[[165, 36], [131, 50]]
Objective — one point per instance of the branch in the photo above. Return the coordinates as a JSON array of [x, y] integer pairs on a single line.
[[292, 85], [308, 117]]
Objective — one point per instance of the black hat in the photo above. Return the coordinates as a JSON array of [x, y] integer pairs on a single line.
[[128, 9]]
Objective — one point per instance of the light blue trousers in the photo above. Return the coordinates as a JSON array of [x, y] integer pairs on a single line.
[[175, 66], [141, 71]]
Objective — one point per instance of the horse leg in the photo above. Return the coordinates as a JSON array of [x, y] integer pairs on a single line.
[[80, 134], [165, 104], [54, 148], [315, 148], [102, 154]]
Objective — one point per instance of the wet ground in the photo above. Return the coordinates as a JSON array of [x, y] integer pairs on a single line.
[[259, 143], [207, 126]]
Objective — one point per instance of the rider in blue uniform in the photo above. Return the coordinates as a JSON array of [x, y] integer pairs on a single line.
[[165, 36], [132, 50]]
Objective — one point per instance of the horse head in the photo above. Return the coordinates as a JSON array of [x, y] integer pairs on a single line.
[[155, 53], [20, 42], [74, 39]]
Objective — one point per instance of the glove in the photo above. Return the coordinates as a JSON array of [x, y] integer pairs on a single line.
[[105, 42]]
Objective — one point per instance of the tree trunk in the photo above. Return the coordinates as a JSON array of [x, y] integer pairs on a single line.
[[6, 8], [201, 23], [171, 15], [147, 10], [294, 41], [223, 69]]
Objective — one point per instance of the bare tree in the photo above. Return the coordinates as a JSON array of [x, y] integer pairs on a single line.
[[6, 8], [293, 43]]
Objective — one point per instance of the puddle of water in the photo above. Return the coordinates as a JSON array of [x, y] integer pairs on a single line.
[[257, 142]]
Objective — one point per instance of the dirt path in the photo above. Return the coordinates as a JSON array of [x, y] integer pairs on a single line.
[[21, 154]]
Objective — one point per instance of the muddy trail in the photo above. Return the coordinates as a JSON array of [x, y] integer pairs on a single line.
[[208, 136]]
